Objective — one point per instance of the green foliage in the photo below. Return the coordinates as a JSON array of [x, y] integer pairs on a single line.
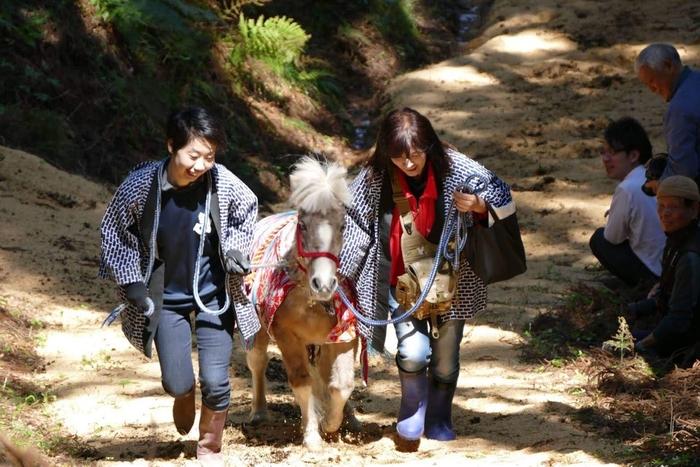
[[160, 31], [277, 41], [100, 361], [26, 22], [91, 95], [585, 318], [320, 83], [546, 346], [577, 299], [677, 460], [24, 124], [348, 32], [395, 21]]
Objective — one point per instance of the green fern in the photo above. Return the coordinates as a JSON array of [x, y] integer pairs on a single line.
[[277, 41]]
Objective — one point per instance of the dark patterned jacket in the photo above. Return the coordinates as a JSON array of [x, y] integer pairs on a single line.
[[361, 258], [129, 227]]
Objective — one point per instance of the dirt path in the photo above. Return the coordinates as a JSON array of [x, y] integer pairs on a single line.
[[530, 101]]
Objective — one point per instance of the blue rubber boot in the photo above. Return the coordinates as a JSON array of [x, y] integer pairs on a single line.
[[438, 421], [414, 399]]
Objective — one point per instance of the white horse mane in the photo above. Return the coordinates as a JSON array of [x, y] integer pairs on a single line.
[[318, 186]]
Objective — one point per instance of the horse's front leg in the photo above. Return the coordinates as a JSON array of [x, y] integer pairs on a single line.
[[296, 362], [338, 371], [257, 360]]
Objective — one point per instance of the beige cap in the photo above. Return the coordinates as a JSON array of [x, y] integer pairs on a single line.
[[679, 185]]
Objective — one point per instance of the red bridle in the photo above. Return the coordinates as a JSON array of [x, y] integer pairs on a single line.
[[315, 254]]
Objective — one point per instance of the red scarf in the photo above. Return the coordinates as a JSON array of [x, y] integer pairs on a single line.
[[423, 219]]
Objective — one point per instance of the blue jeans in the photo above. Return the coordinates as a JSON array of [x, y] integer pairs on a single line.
[[173, 341], [418, 349]]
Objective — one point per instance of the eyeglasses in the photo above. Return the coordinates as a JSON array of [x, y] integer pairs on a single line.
[[414, 156], [605, 153]]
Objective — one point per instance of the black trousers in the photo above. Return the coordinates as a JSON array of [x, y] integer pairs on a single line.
[[620, 260]]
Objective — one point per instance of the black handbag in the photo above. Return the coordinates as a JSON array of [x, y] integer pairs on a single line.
[[496, 253]]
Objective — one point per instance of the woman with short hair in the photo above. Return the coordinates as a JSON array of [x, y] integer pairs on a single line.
[[175, 239]]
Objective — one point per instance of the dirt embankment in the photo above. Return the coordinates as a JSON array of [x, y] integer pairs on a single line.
[[530, 99]]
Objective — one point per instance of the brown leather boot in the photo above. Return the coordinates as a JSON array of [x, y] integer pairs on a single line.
[[211, 430], [184, 412]]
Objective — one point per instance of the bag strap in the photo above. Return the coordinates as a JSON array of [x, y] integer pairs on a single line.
[[414, 245], [492, 212], [402, 203]]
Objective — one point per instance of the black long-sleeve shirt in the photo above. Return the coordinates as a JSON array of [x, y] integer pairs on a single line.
[[683, 301]]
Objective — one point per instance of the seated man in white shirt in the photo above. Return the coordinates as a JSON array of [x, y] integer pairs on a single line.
[[631, 243]]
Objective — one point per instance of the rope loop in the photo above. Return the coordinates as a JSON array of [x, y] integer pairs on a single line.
[[455, 227]]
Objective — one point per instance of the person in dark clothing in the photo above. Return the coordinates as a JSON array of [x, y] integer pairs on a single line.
[[678, 291], [175, 238], [660, 68]]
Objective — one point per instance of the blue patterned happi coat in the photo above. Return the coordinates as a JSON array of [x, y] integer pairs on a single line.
[[361, 255], [128, 230]]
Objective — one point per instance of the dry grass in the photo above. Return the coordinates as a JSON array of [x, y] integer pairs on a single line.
[[648, 403]]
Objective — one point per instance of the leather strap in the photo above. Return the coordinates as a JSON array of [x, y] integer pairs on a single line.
[[403, 204], [414, 245]]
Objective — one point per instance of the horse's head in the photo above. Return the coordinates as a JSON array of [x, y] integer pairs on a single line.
[[319, 193]]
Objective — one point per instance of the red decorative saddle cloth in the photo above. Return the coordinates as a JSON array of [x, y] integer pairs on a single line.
[[268, 287]]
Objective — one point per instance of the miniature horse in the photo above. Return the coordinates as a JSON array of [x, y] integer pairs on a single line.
[[298, 303]]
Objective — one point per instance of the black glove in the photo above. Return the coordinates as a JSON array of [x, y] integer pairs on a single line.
[[642, 308], [237, 263], [137, 294], [640, 348]]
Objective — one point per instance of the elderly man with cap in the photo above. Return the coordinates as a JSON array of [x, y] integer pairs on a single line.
[[678, 203], [659, 67]]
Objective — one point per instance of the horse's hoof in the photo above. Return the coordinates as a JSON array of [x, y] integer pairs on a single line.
[[331, 427], [313, 442], [351, 424], [258, 417]]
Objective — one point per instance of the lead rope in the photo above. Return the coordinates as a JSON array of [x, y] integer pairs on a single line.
[[456, 222], [197, 263], [152, 255]]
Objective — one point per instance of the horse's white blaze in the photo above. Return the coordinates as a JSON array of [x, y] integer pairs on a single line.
[[325, 235], [323, 270]]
